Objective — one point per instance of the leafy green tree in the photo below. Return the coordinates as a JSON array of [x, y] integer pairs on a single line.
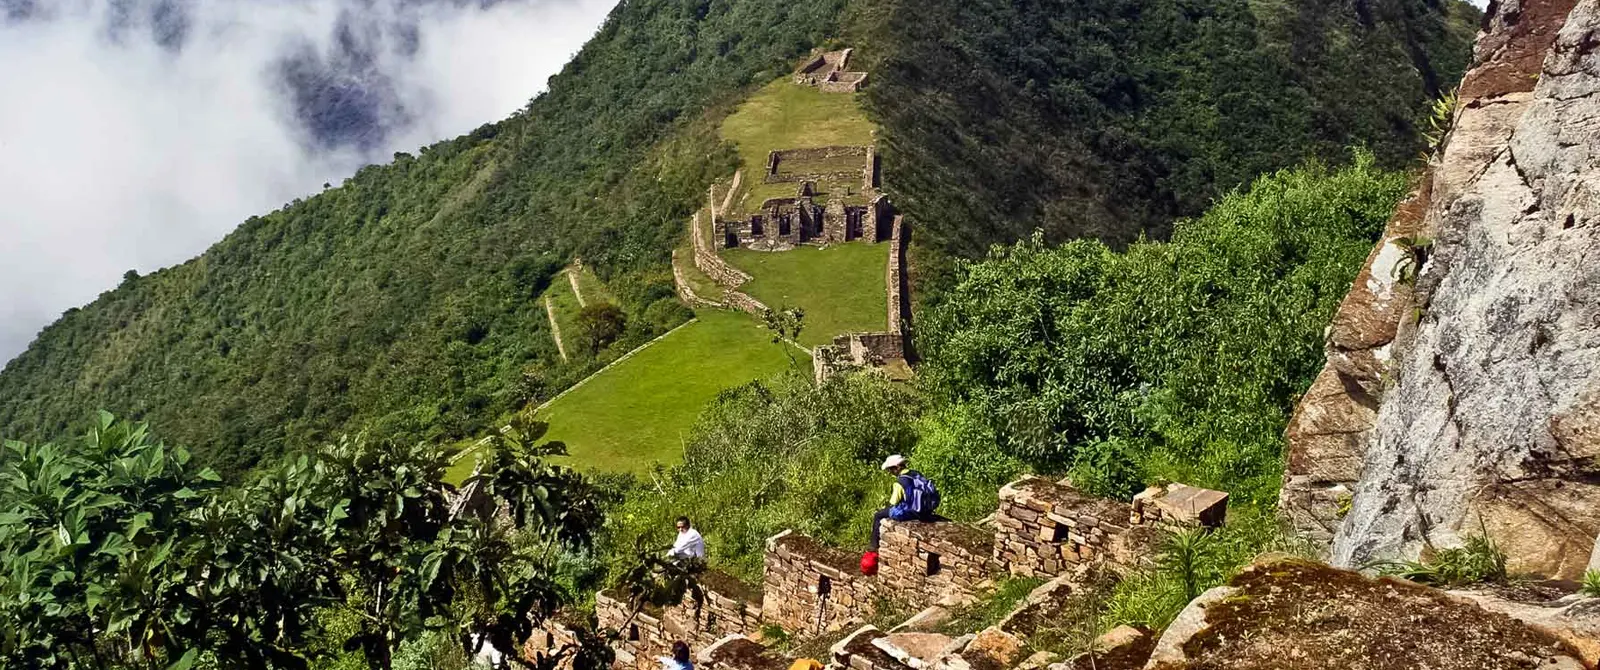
[[91, 540], [600, 324], [118, 553]]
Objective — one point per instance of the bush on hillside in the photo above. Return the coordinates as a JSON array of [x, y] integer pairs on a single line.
[[772, 455], [1172, 360]]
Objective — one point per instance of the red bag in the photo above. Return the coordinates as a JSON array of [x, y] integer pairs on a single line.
[[869, 563]]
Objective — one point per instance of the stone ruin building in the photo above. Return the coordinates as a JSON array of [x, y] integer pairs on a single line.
[[1042, 528], [828, 74], [859, 212]]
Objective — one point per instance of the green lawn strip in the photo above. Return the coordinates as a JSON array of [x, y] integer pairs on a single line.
[[840, 288], [566, 307], [466, 460], [593, 289], [637, 412], [703, 285]]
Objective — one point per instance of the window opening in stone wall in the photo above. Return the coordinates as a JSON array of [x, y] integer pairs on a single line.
[[824, 585], [633, 632], [730, 240], [756, 229], [933, 564], [784, 224]]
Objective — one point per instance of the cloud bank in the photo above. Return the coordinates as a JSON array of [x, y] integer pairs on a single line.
[[136, 133]]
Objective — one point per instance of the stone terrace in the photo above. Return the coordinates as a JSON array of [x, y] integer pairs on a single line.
[[822, 589]]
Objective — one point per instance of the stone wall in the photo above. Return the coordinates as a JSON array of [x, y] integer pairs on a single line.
[[827, 72], [896, 283], [813, 588], [1046, 528], [728, 608], [923, 562], [551, 637], [642, 636], [843, 82], [720, 271], [780, 163]]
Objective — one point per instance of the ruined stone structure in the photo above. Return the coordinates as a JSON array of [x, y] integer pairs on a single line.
[[728, 608], [1048, 528], [924, 562], [827, 72], [817, 588], [860, 213], [856, 351], [1042, 528], [1463, 378]]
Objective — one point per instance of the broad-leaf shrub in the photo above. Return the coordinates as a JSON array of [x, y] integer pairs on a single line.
[[1172, 360]]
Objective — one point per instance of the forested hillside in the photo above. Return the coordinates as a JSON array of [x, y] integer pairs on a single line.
[[1109, 118], [403, 300]]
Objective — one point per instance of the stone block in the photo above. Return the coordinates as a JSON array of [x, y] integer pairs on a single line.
[[1193, 505]]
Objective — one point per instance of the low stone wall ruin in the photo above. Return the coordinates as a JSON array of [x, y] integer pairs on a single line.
[[813, 588], [896, 283], [728, 608], [1041, 528], [1047, 528], [922, 562]]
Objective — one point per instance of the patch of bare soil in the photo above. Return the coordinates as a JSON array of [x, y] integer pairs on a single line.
[[1293, 615]]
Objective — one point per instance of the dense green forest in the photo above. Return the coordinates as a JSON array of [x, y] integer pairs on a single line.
[[1110, 118], [402, 300]]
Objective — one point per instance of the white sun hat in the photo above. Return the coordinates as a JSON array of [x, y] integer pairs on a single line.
[[894, 461]]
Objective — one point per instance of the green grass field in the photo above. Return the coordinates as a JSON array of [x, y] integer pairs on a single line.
[[593, 289], [840, 288], [566, 309], [637, 412], [785, 115]]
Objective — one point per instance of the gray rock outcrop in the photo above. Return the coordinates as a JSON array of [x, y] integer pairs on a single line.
[[1488, 412]]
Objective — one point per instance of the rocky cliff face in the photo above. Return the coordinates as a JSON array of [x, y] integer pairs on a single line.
[[1462, 392]]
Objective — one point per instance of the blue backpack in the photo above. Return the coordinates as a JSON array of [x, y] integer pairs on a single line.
[[922, 497]]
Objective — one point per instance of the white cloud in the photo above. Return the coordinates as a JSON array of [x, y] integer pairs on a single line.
[[117, 152]]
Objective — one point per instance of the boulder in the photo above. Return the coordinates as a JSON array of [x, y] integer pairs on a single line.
[[917, 650], [1491, 420], [998, 647], [1574, 619], [1295, 614], [1169, 648]]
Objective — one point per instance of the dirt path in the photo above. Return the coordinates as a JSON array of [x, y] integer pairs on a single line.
[[572, 278], [555, 328]]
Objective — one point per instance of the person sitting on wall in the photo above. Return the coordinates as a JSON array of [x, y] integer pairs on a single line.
[[679, 660], [913, 498], [689, 545]]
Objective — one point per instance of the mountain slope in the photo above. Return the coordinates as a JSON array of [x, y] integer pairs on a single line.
[[404, 298], [403, 301], [1108, 118]]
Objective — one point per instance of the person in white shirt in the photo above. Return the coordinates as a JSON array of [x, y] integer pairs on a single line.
[[689, 543], [679, 660]]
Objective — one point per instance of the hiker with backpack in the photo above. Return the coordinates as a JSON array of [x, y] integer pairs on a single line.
[[913, 499]]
